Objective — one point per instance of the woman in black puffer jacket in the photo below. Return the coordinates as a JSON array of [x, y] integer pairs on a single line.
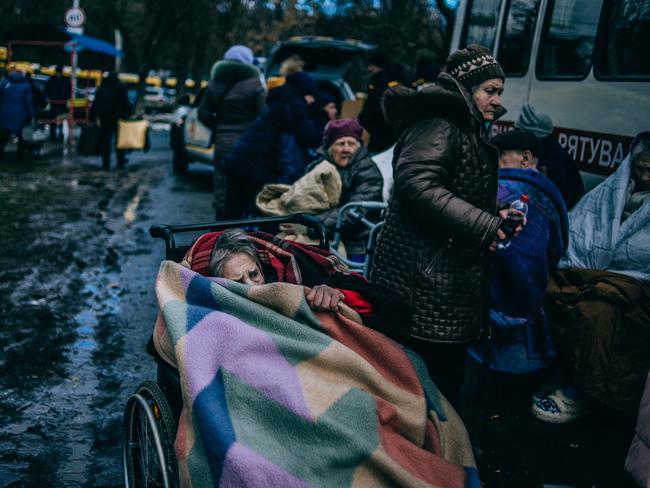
[[442, 222]]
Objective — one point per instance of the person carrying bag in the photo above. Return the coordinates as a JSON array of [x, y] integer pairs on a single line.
[[110, 105]]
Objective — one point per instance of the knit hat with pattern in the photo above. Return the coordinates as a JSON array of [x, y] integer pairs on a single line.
[[473, 65]]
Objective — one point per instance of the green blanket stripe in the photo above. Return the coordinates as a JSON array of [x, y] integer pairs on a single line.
[[197, 461], [430, 389], [298, 339], [326, 453], [175, 314]]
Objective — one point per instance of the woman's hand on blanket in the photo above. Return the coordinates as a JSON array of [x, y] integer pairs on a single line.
[[323, 298]]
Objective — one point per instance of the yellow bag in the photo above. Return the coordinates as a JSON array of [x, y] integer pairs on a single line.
[[132, 134]]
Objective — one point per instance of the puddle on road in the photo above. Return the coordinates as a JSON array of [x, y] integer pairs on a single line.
[[101, 296]]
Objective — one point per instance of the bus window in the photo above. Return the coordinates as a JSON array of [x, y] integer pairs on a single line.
[[568, 39], [481, 23], [517, 37], [624, 40]]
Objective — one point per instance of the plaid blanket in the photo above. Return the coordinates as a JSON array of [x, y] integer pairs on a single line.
[[277, 395], [282, 260]]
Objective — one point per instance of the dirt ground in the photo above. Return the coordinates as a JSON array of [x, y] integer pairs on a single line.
[[77, 305]]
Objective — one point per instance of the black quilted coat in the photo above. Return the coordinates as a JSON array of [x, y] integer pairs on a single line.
[[441, 219]]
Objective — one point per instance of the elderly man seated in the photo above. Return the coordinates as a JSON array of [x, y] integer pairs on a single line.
[[517, 149], [342, 173], [598, 303], [520, 272], [360, 178]]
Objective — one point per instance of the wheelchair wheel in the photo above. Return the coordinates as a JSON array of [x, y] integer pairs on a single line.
[[148, 433]]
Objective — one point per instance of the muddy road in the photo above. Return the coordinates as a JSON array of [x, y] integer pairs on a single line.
[[77, 305]]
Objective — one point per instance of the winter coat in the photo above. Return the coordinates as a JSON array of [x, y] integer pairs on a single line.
[[256, 155], [432, 249], [317, 190], [361, 181], [111, 102], [16, 104], [519, 275], [234, 98], [561, 170], [371, 117], [57, 88], [38, 97]]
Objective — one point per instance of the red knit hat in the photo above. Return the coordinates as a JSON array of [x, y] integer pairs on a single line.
[[337, 128]]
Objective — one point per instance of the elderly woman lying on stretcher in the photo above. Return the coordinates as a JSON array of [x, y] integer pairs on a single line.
[[234, 257]]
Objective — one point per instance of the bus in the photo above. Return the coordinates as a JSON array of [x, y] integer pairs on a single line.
[[585, 63]]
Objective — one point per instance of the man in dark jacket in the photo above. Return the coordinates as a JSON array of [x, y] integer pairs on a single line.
[[57, 92], [275, 148], [361, 179], [382, 134], [16, 109], [234, 98], [441, 220], [111, 104]]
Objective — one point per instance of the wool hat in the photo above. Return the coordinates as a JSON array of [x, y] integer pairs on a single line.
[[337, 128], [473, 65], [518, 140], [536, 122], [303, 83], [239, 53]]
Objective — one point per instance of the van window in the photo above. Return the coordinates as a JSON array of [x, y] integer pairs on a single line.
[[517, 36], [624, 40], [481, 23], [568, 39]]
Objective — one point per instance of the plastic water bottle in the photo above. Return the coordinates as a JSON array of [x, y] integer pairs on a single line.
[[514, 220]]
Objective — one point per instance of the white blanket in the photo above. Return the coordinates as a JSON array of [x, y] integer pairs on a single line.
[[598, 239]]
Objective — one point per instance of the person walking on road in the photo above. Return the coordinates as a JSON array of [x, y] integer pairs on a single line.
[[275, 148], [234, 98], [441, 223], [57, 92], [382, 135], [16, 110], [110, 105]]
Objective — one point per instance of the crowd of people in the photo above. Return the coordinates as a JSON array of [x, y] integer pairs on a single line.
[[569, 293], [22, 102]]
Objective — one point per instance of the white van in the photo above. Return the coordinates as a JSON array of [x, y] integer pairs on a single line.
[[585, 63]]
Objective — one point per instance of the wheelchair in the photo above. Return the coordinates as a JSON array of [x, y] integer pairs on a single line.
[[152, 413]]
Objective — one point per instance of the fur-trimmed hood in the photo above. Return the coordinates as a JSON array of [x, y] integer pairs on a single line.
[[403, 106], [231, 72]]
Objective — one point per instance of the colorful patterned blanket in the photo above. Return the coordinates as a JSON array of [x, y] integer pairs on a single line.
[[277, 395]]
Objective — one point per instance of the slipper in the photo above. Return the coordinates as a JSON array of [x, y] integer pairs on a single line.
[[557, 408], [544, 391]]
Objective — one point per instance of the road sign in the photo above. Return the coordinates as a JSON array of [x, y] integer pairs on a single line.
[[75, 17]]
